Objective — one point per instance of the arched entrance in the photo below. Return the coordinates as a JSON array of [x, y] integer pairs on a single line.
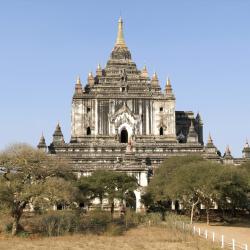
[[124, 136], [88, 131], [161, 130], [130, 200]]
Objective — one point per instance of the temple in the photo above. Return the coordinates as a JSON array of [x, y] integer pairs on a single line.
[[122, 120]]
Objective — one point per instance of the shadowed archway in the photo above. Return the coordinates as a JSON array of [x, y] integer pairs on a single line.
[[124, 136]]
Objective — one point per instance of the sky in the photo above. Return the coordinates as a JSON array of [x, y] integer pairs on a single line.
[[202, 45]]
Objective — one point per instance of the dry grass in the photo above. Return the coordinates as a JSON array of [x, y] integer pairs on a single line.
[[141, 238]]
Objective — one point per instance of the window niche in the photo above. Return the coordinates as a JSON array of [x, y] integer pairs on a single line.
[[88, 131], [161, 130]]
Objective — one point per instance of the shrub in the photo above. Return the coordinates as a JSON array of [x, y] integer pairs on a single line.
[[58, 223], [95, 221], [133, 219], [153, 219]]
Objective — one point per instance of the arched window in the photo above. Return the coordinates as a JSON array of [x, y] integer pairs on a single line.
[[88, 131], [124, 136], [161, 130]]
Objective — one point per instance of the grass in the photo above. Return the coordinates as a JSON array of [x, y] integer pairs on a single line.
[[140, 238]]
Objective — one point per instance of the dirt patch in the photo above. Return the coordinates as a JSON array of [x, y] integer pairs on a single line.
[[241, 233], [143, 238]]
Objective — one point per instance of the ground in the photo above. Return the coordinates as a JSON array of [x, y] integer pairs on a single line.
[[141, 238], [239, 232]]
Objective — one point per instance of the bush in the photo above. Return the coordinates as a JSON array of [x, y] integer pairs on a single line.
[[58, 223], [153, 219], [95, 221], [133, 219]]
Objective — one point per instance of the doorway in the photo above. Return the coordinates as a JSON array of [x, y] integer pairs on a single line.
[[124, 136]]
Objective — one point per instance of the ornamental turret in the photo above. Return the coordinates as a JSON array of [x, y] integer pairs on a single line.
[[144, 72], [99, 70], [246, 151], [78, 86], [58, 135], [42, 144], [155, 82], [168, 89], [228, 158], [192, 135], [211, 150], [91, 79]]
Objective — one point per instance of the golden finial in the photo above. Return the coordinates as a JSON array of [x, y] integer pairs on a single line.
[[168, 82], [155, 77], [120, 42], [78, 80], [99, 70], [168, 87], [210, 140], [144, 72], [91, 79]]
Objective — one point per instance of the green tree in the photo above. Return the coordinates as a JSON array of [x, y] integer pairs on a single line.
[[165, 184], [108, 184], [32, 177], [193, 180], [233, 187]]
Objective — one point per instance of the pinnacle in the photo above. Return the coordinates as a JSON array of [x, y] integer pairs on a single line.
[[78, 80], [154, 77], [247, 144], [168, 82], [228, 152], [210, 140], [120, 42]]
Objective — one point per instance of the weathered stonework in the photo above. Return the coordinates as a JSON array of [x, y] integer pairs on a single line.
[[122, 120]]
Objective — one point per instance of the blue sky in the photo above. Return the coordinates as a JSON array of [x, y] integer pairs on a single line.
[[204, 46]]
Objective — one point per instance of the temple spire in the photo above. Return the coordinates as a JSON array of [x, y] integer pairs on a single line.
[[210, 140], [58, 135], [228, 151], [120, 42], [78, 80], [168, 87], [246, 151], [42, 144], [78, 86]]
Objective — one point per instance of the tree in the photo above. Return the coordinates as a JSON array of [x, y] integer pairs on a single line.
[[108, 184], [193, 181], [30, 178], [93, 186], [164, 185], [233, 187]]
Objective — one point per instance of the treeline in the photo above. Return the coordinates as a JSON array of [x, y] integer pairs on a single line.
[[31, 180], [194, 182], [38, 181]]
